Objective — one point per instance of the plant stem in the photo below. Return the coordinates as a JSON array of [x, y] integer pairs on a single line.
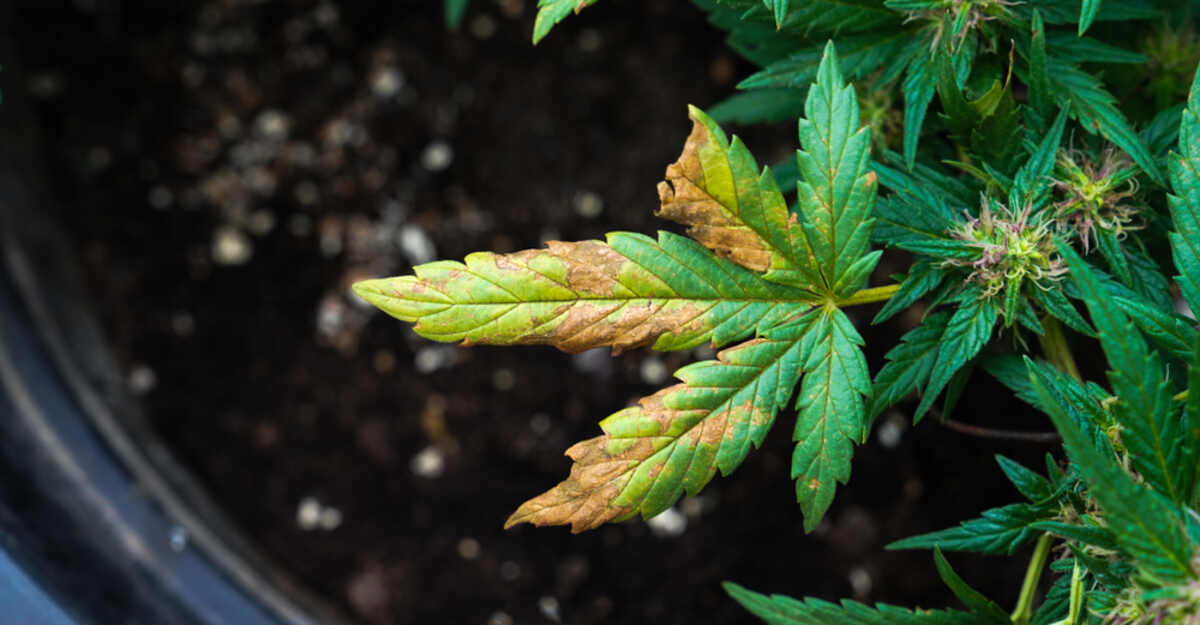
[[1054, 345], [871, 295], [1024, 610], [1009, 435]]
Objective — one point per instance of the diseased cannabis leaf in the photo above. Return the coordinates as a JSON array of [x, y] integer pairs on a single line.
[[551, 12], [768, 275]]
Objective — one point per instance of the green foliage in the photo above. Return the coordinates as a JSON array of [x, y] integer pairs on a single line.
[[1034, 202]]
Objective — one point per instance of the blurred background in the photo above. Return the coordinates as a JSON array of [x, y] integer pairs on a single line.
[[225, 169]]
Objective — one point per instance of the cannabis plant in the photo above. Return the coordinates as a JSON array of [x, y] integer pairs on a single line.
[[1035, 218]]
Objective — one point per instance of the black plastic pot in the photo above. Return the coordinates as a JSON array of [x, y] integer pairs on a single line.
[[98, 523]]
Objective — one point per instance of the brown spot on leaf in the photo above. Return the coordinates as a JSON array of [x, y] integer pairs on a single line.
[[604, 468], [685, 199]]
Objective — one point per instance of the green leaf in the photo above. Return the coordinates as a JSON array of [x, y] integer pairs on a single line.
[[1150, 432], [997, 531], [1034, 177], [1087, 13], [909, 363], [779, 9], [1096, 110], [966, 333], [760, 106], [1143, 522], [985, 610], [1034, 487], [919, 86], [1172, 332], [836, 191], [831, 411], [860, 54], [1086, 534], [1184, 201], [1039, 83], [922, 278], [455, 9], [782, 610], [551, 12], [632, 291], [1075, 49], [1189, 459], [675, 440], [1010, 370]]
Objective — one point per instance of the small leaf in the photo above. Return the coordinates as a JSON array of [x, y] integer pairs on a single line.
[[1010, 370], [1039, 83], [984, 609], [966, 334], [675, 440], [831, 411], [1086, 534], [1087, 13], [551, 12], [1096, 110], [1189, 457], [909, 363], [779, 9], [1034, 487], [1172, 332], [455, 9], [1184, 201], [922, 278], [997, 531], [782, 610]]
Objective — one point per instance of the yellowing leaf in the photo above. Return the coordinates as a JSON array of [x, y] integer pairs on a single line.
[[630, 292], [675, 440], [717, 190]]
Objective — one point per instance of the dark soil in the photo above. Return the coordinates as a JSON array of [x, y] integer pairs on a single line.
[[319, 143]]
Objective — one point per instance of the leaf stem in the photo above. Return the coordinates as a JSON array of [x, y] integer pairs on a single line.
[[1024, 610], [870, 296], [1010, 435], [1054, 345]]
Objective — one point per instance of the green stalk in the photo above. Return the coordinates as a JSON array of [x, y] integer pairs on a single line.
[[1054, 345], [871, 295], [1024, 610], [1075, 603]]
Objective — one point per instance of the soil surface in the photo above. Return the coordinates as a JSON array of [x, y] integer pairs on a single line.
[[229, 167]]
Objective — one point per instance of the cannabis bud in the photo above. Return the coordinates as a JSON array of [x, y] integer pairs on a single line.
[[1008, 249], [1094, 194]]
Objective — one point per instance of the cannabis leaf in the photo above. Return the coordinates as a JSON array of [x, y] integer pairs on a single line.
[[716, 189], [1151, 432], [675, 440], [782, 610], [551, 12], [754, 270], [1143, 521], [831, 409], [1185, 201], [837, 190], [998, 531], [630, 292], [455, 9]]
